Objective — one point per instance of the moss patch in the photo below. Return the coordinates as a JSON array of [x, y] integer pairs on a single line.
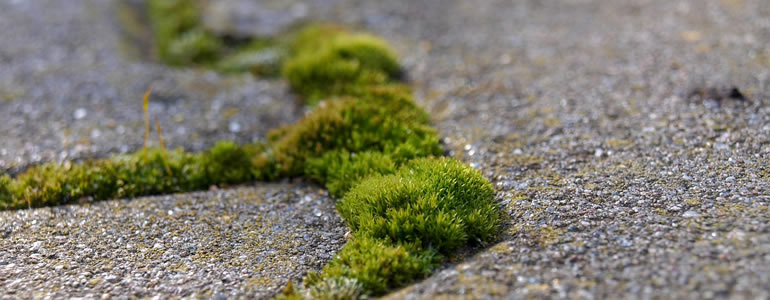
[[367, 142], [178, 34], [179, 39], [139, 174], [319, 61], [384, 119], [320, 69], [441, 204]]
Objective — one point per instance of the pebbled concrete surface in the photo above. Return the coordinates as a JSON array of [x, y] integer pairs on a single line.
[[243, 243], [624, 162]]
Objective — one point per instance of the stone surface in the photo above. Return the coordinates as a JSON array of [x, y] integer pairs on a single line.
[[626, 164], [243, 242], [254, 18]]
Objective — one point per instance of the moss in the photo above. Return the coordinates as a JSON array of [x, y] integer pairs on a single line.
[[139, 174], [322, 59], [6, 196], [369, 144], [336, 288], [332, 68], [435, 203], [382, 121], [312, 37], [121, 176], [403, 223], [261, 57], [228, 163], [177, 32], [194, 47], [338, 170], [379, 266]]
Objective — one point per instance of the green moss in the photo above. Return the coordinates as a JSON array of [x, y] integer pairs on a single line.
[[322, 60], [403, 223], [346, 61], [335, 288], [440, 204], [124, 176], [228, 163], [177, 32], [382, 121], [379, 266], [338, 170], [312, 37], [6, 196], [368, 143], [194, 47], [261, 57]]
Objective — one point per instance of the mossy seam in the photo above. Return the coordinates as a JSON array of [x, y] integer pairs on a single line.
[[367, 142]]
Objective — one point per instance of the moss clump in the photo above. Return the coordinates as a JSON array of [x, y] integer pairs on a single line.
[[404, 222], [6, 195], [139, 174], [338, 170], [178, 34], [440, 204], [382, 121], [321, 60], [229, 163], [194, 47], [378, 265], [319, 70], [313, 37]]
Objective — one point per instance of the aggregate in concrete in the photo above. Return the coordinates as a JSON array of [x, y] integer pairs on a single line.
[[243, 242], [628, 141]]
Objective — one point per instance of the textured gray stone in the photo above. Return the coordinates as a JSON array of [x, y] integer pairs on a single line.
[[625, 165]]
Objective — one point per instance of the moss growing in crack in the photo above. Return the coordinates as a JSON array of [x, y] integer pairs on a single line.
[[379, 265], [259, 58], [6, 196], [403, 223], [338, 170], [139, 174], [228, 163], [367, 144], [321, 60], [440, 204], [194, 47], [336, 288], [178, 34], [324, 69], [312, 37], [143, 173], [383, 120]]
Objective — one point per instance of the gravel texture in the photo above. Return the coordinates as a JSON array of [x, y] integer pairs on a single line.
[[626, 164], [244, 242]]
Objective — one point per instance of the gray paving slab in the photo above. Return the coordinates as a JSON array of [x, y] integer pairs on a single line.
[[625, 161], [240, 243]]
